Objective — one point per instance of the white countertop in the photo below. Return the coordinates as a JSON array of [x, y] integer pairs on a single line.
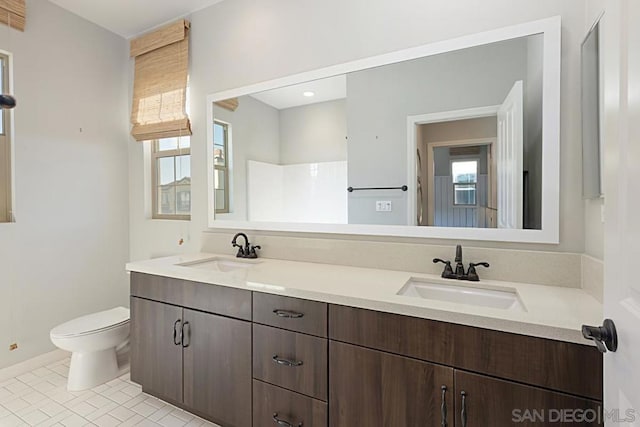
[[551, 312]]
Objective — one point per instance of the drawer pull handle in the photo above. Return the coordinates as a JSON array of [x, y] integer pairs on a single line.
[[283, 423], [288, 314], [177, 341], [286, 362], [443, 407], [463, 413]]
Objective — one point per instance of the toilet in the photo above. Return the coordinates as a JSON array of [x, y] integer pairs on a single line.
[[93, 340]]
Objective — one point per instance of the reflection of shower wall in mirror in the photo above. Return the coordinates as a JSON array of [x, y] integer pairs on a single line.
[[306, 192]]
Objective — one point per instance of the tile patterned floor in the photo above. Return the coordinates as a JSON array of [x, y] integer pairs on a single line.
[[40, 398]]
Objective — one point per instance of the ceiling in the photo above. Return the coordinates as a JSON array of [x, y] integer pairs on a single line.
[[327, 89], [129, 18]]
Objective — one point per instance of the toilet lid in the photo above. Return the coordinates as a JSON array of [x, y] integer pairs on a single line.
[[92, 323]]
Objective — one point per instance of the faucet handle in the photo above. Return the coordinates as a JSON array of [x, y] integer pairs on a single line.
[[252, 252], [472, 274], [447, 273]]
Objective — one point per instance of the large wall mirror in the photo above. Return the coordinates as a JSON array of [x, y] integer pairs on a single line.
[[458, 139]]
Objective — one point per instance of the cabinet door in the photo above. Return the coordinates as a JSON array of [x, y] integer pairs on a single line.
[[217, 368], [371, 388], [156, 361], [493, 402]]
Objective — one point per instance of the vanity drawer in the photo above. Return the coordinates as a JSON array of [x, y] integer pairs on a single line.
[[291, 360], [551, 364], [309, 317], [271, 402], [214, 299]]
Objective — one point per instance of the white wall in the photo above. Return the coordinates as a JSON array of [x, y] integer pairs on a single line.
[[240, 42], [313, 133], [65, 255]]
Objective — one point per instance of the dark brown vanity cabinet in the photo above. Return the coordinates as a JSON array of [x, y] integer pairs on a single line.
[[494, 402], [217, 368], [155, 357], [290, 362], [241, 358], [388, 370], [197, 360], [376, 389]]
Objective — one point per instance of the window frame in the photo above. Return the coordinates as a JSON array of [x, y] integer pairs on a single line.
[[6, 209], [157, 154], [455, 184], [225, 168]]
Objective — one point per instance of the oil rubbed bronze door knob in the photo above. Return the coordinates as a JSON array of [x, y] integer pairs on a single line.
[[605, 336]]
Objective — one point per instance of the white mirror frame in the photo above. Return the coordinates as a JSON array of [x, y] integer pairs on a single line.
[[551, 30]]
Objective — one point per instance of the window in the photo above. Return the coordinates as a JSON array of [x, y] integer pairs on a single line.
[[465, 182], [171, 169], [6, 214], [221, 166]]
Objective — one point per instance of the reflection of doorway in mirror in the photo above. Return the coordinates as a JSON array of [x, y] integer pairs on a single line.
[[488, 140], [461, 177]]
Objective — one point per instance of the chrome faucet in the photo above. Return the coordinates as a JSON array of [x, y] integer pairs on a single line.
[[246, 251], [459, 273]]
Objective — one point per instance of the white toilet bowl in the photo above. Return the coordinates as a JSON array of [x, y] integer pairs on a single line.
[[92, 341]]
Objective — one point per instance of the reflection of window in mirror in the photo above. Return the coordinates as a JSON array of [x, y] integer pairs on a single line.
[[5, 149], [221, 132], [465, 181], [171, 172]]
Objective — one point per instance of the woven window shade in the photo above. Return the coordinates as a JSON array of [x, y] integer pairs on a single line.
[[230, 104], [160, 83], [13, 12]]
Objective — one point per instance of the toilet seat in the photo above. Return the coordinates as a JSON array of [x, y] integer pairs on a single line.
[[92, 323]]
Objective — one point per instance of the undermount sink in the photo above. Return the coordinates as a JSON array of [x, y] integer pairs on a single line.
[[223, 265], [504, 298]]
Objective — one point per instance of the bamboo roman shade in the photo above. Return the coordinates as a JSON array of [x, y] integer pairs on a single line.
[[160, 83], [13, 12], [230, 104]]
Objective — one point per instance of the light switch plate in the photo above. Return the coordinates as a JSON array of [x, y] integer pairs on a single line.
[[384, 206]]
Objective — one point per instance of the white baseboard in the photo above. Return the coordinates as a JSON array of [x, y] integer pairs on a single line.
[[33, 363]]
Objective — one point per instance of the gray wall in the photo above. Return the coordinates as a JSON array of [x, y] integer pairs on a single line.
[[65, 255], [313, 133], [532, 156], [380, 99]]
